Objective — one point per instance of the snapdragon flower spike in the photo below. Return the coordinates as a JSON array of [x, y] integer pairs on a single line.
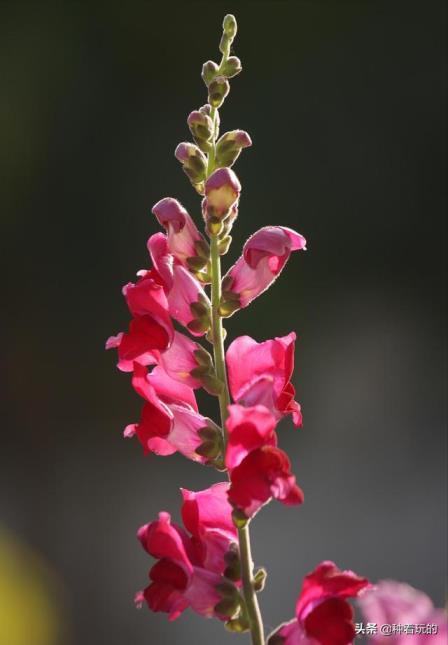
[[151, 330], [258, 469], [260, 373], [264, 255], [170, 421], [229, 146], [207, 515], [222, 191], [323, 615], [391, 602], [187, 300], [184, 241]]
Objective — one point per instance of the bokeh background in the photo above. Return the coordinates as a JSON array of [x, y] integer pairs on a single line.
[[345, 102]]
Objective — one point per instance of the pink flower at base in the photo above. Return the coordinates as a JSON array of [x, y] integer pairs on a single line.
[[258, 469], [189, 568], [391, 602], [260, 373], [176, 583], [170, 421], [264, 255], [182, 232], [323, 615]]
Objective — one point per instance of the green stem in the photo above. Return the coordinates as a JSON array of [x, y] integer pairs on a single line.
[[247, 565], [250, 596]]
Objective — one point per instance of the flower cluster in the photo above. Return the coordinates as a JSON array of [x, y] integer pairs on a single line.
[[198, 569], [178, 301]]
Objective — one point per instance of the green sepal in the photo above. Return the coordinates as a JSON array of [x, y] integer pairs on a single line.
[[260, 579], [228, 606], [209, 449], [203, 357], [196, 263], [224, 244], [228, 307], [199, 309], [214, 225], [202, 248], [226, 589], [237, 625], [239, 518], [199, 326], [212, 384]]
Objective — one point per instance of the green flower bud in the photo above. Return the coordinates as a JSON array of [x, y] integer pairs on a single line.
[[230, 26], [237, 625], [209, 71], [194, 162], [217, 91], [229, 147], [201, 128], [231, 67], [260, 579]]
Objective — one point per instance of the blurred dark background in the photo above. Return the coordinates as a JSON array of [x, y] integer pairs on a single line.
[[345, 102]]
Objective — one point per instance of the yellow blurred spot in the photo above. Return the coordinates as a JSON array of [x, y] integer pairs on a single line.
[[29, 611]]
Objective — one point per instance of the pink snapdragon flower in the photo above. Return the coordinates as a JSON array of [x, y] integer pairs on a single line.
[[182, 232], [189, 567], [391, 602], [258, 469], [207, 515], [187, 300], [260, 373], [264, 255], [170, 421], [179, 360], [323, 615], [151, 328]]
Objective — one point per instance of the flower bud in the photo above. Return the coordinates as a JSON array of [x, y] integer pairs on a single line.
[[200, 311], [229, 146], [229, 25], [201, 127], [237, 625], [217, 91], [194, 162], [231, 67], [222, 190], [209, 71], [260, 579]]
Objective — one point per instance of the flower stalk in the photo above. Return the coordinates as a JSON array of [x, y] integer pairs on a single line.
[[217, 338]]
